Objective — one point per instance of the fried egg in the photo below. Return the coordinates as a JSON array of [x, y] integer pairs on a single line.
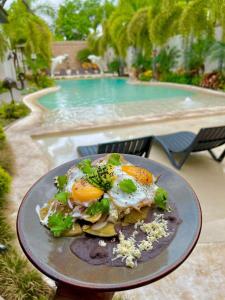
[[82, 192], [144, 193]]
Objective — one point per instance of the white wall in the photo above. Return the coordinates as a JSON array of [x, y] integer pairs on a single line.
[[7, 68]]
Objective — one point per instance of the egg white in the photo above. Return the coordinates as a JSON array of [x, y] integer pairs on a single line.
[[143, 196], [74, 174]]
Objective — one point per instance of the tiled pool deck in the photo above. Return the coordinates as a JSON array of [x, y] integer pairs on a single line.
[[202, 276]]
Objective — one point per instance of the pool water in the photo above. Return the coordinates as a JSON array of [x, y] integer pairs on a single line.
[[90, 102], [92, 92]]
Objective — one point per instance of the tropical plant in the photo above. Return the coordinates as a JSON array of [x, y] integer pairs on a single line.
[[167, 59], [197, 55], [28, 30], [5, 181], [3, 44], [119, 21], [142, 63], [13, 111], [149, 24], [2, 89], [38, 68], [146, 76], [217, 53], [2, 137], [114, 66], [40, 9], [83, 54]]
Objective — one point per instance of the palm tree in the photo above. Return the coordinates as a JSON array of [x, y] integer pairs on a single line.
[[119, 21], [29, 30]]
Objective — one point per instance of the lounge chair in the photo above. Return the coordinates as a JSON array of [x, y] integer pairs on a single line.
[[183, 143], [62, 72], [139, 146]]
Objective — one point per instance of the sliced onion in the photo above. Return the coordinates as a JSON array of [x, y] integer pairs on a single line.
[[70, 204], [99, 225]]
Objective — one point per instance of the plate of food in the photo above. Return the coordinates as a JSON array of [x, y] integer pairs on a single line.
[[109, 222]]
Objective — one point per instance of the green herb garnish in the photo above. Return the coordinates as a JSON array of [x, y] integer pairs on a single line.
[[160, 198], [98, 207], [101, 177], [62, 197], [85, 166], [58, 223], [114, 159], [127, 186], [98, 176], [61, 181]]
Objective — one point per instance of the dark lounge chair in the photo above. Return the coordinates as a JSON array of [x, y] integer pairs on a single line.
[[139, 146], [183, 143], [62, 72]]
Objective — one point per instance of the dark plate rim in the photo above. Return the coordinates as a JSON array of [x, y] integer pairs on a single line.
[[106, 287]]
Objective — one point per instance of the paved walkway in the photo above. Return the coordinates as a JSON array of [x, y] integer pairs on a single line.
[[202, 276]]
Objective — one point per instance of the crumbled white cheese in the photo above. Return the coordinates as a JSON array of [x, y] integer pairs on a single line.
[[127, 250], [130, 250], [102, 243], [145, 245], [155, 229]]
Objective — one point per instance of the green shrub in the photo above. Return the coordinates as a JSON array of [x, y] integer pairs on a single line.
[[45, 82], [7, 158], [114, 66], [142, 63], [182, 78], [167, 59], [146, 76], [2, 89], [196, 80], [83, 54], [5, 181], [2, 137], [13, 110], [177, 78]]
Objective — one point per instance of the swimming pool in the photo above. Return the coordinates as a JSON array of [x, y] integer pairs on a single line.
[[115, 101], [93, 92]]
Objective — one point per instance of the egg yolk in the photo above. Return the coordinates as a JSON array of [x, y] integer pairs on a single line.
[[143, 176], [83, 191]]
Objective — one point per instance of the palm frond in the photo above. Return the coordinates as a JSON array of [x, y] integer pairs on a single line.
[[3, 45]]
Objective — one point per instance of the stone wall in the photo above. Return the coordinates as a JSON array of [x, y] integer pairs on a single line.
[[71, 48]]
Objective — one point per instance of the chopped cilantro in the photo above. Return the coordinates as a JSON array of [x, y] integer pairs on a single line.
[[98, 176], [58, 223], [98, 207], [160, 198], [62, 197], [127, 186], [101, 177], [61, 181], [85, 166], [114, 159]]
